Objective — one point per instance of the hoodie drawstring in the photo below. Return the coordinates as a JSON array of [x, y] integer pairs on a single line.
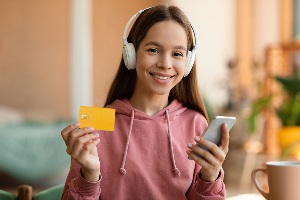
[[175, 169], [122, 168]]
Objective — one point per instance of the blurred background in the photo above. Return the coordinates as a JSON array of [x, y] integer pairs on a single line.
[[57, 55]]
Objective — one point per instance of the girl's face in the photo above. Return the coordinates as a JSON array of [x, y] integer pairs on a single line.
[[161, 58]]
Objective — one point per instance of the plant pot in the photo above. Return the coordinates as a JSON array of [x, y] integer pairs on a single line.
[[289, 141]]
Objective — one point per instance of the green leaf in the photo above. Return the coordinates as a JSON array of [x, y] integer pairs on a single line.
[[292, 85], [257, 107]]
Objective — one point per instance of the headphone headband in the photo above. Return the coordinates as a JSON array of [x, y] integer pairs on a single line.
[[129, 22]]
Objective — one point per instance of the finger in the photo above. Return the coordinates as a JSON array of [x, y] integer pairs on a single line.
[[75, 145], [87, 149], [80, 143], [201, 142], [90, 145], [225, 138], [209, 171], [201, 154], [74, 135], [197, 158], [219, 154], [94, 151], [213, 149], [65, 132]]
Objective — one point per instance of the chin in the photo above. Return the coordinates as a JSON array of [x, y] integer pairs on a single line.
[[162, 91]]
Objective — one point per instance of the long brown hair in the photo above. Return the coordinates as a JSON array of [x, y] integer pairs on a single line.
[[187, 90]]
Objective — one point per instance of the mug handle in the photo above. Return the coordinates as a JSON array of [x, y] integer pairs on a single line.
[[253, 177]]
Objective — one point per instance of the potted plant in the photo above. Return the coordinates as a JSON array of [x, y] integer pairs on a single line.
[[288, 113]]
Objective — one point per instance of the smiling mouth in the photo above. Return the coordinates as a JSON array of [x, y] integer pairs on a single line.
[[161, 77]]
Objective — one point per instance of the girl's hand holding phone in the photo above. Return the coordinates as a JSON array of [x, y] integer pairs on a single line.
[[81, 146], [210, 150], [212, 160]]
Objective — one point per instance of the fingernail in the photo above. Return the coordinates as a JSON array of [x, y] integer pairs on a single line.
[[98, 140], [189, 145], [91, 128], [197, 138], [96, 134], [76, 124]]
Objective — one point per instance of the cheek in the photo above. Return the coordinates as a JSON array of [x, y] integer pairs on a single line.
[[142, 67], [142, 62], [180, 68]]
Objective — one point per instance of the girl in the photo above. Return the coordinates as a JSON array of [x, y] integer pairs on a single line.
[[159, 112]]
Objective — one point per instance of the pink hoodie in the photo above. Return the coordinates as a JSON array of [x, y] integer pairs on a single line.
[[145, 158]]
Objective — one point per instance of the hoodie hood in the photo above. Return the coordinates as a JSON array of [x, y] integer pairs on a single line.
[[169, 113]]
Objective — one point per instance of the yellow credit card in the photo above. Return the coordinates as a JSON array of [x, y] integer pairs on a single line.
[[99, 118]]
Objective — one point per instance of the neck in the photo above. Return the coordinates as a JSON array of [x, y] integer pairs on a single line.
[[149, 104]]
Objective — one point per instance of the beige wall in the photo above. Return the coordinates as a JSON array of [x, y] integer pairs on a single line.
[[34, 52], [34, 59]]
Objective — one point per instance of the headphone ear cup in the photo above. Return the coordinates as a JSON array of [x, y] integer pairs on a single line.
[[129, 55], [190, 59]]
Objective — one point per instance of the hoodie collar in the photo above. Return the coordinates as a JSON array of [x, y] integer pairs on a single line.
[[124, 107]]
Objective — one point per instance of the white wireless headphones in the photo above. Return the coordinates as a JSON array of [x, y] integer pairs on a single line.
[[129, 50]]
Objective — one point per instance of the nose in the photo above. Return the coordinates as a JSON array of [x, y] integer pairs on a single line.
[[165, 62]]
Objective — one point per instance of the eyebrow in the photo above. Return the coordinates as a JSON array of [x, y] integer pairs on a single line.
[[159, 45]]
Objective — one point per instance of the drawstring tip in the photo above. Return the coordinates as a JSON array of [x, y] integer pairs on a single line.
[[176, 172], [122, 171]]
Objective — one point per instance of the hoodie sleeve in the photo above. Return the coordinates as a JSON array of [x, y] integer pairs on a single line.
[[202, 190], [76, 187]]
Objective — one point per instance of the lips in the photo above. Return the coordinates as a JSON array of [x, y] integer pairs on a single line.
[[161, 77]]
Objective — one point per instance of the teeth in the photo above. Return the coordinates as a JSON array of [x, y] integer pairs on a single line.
[[161, 77]]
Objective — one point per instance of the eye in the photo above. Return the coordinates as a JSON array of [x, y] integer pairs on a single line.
[[177, 54], [153, 50]]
